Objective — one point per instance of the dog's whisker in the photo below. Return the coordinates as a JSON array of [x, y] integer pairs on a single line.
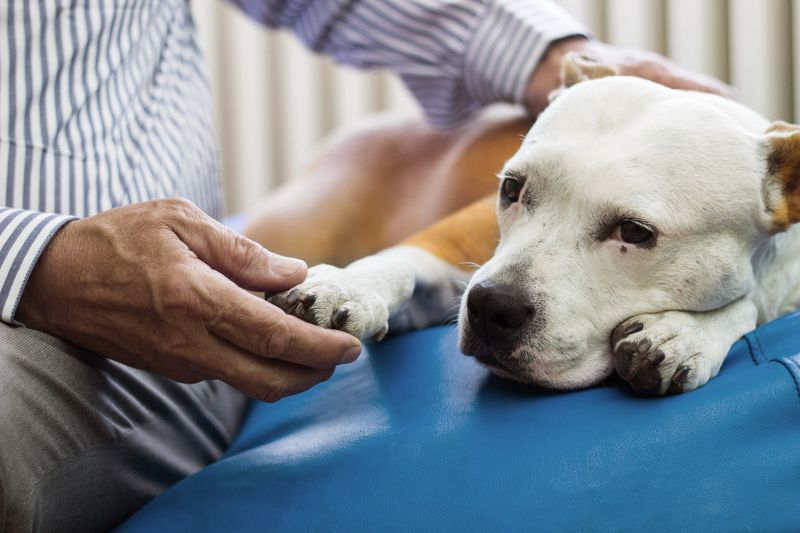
[[453, 308], [470, 264], [452, 320]]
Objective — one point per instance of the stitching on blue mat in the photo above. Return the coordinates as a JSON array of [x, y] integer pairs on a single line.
[[751, 348], [759, 348], [793, 369]]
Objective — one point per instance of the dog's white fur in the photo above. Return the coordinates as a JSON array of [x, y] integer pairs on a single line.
[[692, 165]]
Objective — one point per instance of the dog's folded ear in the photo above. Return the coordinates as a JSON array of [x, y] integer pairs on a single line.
[[782, 183], [577, 67]]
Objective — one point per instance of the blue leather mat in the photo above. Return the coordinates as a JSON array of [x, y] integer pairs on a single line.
[[415, 436]]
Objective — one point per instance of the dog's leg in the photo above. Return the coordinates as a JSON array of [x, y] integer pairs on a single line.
[[677, 351], [415, 284]]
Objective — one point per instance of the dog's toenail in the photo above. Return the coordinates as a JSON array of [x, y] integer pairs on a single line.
[[340, 317], [643, 346], [619, 333], [624, 356], [656, 358], [681, 375], [308, 299], [632, 328], [627, 350]]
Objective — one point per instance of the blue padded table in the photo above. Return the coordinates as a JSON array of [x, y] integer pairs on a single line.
[[416, 436]]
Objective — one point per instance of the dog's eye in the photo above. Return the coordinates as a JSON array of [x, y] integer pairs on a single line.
[[634, 233], [510, 189]]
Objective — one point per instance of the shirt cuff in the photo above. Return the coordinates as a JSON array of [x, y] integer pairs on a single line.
[[509, 43], [23, 237]]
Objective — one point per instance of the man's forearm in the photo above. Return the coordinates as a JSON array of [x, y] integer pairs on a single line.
[[455, 56]]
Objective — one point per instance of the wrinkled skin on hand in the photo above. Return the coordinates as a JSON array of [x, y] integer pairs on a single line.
[[163, 287], [626, 61]]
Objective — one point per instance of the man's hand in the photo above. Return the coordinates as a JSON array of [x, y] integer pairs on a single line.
[[627, 61], [161, 286]]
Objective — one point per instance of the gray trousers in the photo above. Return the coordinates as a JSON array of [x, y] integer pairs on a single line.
[[85, 441]]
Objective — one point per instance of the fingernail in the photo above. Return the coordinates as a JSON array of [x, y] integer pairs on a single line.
[[285, 266], [351, 354]]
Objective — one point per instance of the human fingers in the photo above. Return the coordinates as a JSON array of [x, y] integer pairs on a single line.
[[695, 82], [657, 68], [261, 328], [267, 380], [241, 260]]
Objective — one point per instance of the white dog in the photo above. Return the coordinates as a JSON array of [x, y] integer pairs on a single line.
[[640, 227]]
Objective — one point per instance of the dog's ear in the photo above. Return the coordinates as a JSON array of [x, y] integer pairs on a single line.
[[782, 183], [576, 67]]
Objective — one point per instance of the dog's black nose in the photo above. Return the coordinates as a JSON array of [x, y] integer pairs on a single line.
[[497, 311]]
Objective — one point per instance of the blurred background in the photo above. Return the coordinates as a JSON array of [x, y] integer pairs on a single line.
[[276, 102]]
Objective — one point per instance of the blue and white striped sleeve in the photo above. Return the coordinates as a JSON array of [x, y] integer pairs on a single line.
[[23, 237], [454, 55]]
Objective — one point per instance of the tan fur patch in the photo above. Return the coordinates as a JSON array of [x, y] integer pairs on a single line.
[[783, 164], [576, 68], [467, 236]]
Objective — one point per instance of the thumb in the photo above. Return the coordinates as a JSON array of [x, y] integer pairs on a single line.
[[245, 262]]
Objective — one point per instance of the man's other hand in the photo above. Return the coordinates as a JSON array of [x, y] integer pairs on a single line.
[[627, 61]]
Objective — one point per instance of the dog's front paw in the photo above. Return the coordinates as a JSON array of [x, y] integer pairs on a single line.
[[665, 353], [334, 298]]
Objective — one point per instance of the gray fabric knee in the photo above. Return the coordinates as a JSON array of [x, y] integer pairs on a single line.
[[84, 441], [3, 505]]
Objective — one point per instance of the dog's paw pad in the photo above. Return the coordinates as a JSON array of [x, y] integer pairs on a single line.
[[627, 352], [333, 298], [648, 377], [664, 353]]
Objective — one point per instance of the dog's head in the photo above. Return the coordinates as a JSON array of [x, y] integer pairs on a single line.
[[626, 197]]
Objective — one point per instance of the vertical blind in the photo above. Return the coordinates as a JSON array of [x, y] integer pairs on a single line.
[[276, 102]]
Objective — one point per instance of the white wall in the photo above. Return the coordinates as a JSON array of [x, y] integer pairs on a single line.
[[275, 101]]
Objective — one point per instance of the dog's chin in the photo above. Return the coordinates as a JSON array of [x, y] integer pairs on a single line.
[[578, 377], [587, 372], [502, 372]]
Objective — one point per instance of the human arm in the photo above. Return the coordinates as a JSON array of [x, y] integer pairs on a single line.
[[24, 235], [457, 56], [161, 286]]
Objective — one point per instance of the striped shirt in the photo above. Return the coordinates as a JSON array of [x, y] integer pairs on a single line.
[[105, 103]]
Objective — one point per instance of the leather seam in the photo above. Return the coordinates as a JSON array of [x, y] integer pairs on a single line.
[[788, 364], [756, 350]]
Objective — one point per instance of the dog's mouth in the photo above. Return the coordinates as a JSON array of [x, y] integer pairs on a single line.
[[499, 369], [505, 367], [524, 365], [490, 361], [472, 346]]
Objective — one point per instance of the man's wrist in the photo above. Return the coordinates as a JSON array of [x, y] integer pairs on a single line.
[[39, 293], [546, 77]]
